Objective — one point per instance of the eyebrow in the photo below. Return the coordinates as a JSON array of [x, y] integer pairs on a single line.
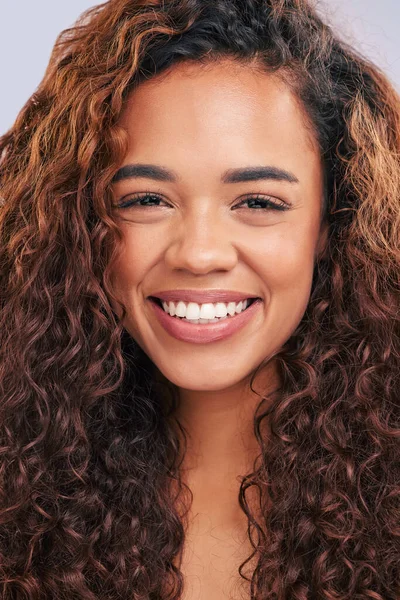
[[158, 173]]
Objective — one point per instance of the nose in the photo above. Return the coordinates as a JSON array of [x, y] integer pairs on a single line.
[[202, 243]]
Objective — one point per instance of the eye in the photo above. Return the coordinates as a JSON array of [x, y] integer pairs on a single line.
[[259, 202], [147, 198]]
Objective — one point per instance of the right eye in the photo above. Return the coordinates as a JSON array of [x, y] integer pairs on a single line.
[[149, 199]]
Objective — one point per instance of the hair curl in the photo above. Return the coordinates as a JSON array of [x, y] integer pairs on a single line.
[[88, 451]]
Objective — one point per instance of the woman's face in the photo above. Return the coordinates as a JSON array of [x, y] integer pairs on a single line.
[[207, 226]]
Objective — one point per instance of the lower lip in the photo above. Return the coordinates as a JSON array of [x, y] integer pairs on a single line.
[[184, 330]]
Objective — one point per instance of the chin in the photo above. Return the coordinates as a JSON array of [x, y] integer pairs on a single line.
[[211, 381]]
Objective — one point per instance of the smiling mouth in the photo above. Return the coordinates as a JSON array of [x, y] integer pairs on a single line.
[[205, 331], [159, 303]]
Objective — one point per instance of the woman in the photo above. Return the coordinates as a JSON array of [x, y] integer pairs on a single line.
[[200, 312]]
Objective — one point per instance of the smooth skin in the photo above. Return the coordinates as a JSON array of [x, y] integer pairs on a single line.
[[200, 121]]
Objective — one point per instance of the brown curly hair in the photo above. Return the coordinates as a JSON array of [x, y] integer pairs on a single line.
[[88, 453]]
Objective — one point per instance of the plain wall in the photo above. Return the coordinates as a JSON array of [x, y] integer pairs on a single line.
[[28, 29]]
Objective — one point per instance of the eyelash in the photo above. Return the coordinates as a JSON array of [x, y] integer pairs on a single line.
[[270, 204]]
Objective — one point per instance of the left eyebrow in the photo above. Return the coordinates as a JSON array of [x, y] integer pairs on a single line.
[[258, 173], [230, 176]]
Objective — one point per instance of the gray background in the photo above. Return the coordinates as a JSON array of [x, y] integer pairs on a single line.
[[28, 29]]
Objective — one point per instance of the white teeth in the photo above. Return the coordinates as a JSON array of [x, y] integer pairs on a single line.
[[207, 311], [221, 309], [231, 308], [180, 309], [204, 313], [192, 311]]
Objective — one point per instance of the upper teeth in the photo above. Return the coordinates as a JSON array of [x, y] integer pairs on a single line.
[[192, 310]]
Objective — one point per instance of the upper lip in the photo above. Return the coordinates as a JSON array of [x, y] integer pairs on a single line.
[[202, 296]]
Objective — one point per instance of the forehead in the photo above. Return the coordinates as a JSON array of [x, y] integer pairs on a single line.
[[221, 110]]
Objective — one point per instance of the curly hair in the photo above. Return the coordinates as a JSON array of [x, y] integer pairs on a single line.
[[89, 455]]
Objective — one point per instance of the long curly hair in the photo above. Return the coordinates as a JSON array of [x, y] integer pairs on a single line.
[[89, 451]]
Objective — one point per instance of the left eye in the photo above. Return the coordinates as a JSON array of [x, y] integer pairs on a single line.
[[255, 202], [263, 203]]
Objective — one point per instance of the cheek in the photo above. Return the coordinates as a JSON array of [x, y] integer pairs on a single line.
[[137, 255], [285, 261]]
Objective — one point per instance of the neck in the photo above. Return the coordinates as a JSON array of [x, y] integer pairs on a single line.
[[220, 441], [220, 424]]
